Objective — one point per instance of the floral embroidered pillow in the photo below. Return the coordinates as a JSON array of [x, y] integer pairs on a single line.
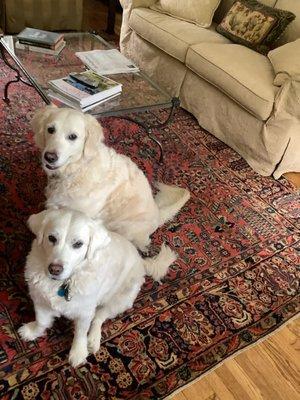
[[254, 25]]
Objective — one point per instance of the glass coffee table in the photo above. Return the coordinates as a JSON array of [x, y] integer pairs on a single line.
[[139, 93]]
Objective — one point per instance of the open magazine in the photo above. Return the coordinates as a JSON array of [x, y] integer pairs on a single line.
[[107, 62]]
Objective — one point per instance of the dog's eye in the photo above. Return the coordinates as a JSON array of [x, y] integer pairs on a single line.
[[77, 245], [52, 239], [51, 129], [72, 136]]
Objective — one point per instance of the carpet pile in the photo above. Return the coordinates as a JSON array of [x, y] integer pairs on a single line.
[[236, 279]]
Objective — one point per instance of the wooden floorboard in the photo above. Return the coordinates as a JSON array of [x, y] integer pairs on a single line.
[[293, 177], [95, 17], [268, 371]]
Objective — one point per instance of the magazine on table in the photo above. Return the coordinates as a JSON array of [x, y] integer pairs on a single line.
[[86, 88], [107, 62]]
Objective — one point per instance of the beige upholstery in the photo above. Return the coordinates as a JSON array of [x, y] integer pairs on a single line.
[[229, 88], [199, 12], [286, 62], [243, 74], [292, 32], [171, 35]]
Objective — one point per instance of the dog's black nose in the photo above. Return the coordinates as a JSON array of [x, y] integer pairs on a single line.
[[50, 157], [55, 269]]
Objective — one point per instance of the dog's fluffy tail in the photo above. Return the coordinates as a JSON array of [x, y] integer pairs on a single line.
[[157, 266], [170, 199]]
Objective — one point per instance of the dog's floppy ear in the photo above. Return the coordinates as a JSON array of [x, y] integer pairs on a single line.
[[94, 136], [36, 223], [38, 124], [99, 238]]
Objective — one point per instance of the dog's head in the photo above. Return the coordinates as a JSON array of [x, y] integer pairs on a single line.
[[68, 239], [64, 136]]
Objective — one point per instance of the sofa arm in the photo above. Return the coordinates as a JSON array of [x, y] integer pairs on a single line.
[[286, 62], [128, 6]]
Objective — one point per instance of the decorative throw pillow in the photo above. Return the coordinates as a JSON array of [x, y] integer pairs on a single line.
[[199, 12], [254, 25]]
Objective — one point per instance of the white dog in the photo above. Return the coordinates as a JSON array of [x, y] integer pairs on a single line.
[[86, 175], [78, 269]]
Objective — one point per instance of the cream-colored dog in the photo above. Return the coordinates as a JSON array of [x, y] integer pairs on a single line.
[[78, 269], [86, 175]]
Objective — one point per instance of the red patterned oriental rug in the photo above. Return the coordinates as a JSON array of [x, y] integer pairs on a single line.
[[236, 279]]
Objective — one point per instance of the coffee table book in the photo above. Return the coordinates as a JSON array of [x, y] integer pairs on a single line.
[[82, 94]]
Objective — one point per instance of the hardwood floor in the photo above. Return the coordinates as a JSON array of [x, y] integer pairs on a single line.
[[95, 17], [293, 177], [267, 371]]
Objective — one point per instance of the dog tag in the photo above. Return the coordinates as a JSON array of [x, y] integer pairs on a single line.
[[63, 291]]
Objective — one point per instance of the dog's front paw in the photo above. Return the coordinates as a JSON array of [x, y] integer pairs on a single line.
[[30, 331], [78, 355], [94, 339]]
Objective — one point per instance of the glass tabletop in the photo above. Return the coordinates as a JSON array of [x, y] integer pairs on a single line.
[[139, 93]]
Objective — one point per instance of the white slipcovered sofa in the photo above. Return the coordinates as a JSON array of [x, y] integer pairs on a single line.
[[228, 87]]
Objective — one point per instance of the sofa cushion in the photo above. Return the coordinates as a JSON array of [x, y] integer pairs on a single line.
[[169, 34], [292, 32], [243, 74], [199, 12]]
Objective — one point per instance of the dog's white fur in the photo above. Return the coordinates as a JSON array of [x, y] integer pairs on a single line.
[[92, 178], [106, 274]]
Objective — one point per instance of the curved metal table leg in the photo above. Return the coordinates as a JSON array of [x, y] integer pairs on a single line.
[[149, 128], [17, 78]]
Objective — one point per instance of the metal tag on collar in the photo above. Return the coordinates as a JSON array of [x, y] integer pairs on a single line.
[[64, 290]]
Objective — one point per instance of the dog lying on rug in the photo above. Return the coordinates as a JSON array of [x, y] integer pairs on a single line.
[[86, 175], [78, 269]]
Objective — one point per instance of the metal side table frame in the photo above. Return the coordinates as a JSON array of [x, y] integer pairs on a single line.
[[4, 48]]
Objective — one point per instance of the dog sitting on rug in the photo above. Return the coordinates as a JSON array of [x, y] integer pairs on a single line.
[[88, 176], [78, 269]]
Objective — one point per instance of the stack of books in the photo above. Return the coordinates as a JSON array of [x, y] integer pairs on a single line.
[[84, 90], [40, 41]]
